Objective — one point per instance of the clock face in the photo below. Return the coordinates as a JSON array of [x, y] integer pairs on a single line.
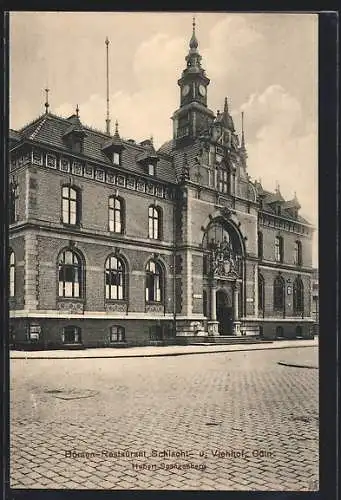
[[185, 90], [202, 90]]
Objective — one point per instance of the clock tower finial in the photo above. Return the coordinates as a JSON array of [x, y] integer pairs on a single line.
[[193, 116], [193, 44]]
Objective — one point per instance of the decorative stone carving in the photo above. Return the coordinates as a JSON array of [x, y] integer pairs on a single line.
[[212, 328], [116, 307], [225, 262], [72, 307], [226, 212], [155, 308]]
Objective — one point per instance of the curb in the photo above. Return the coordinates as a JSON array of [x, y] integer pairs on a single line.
[[297, 365], [118, 356]]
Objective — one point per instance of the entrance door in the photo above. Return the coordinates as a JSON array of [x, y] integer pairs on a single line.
[[224, 314]]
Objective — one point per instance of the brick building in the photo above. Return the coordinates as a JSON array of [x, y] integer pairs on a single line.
[[115, 243], [315, 312]]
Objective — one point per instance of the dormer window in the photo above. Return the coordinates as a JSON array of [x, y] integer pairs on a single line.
[[77, 146], [151, 169], [116, 158], [279, 210]]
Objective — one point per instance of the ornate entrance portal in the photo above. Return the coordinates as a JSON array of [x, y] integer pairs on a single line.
[[224, 253], [224, 314]]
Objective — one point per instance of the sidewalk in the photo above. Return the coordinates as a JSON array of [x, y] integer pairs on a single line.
[[152, 351]]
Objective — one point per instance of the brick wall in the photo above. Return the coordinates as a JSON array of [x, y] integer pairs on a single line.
[[95, 256], [19, 176], [289, 239], [94, 196], [269, 275], [94, 333]]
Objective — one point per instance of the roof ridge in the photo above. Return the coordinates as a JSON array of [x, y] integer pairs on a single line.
[[29, 124], [37, 129]]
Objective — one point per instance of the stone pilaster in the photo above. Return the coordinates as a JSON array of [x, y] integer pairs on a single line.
[[31, 273]]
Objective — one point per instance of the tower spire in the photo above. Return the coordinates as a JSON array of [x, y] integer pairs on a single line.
[[47, 90], [107, 121], [193, 44], [226, 106]]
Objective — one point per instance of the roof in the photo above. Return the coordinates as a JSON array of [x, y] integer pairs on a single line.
[[50, 129]]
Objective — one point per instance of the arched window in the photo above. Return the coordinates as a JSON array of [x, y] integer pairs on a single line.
[[71, 335], [117, 334], [70, 274], [279, 249], [298, 296], [261, 292], [154, 223], [11, 274], [298, 253], [260, 244], [279, 287], [114, 278], [154, 282], [116, 214], [71, 206]]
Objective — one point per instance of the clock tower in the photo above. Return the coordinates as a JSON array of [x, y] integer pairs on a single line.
[[193, 117]]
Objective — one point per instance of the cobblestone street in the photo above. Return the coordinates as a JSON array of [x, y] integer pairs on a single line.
[[232, 421]]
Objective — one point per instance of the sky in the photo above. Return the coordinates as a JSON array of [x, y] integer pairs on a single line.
[[266, 64]]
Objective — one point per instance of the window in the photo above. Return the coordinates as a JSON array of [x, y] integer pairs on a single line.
[[13, 203], [223, 185], [70, 274], [70, 205], [298, 296], [261, 293], [156, 332], [211, 156], [71, 335], [279, 293], [11, 274], [116, 158], [279, 331], [151, 169], [114, 279], [278, 209], [154, 223], [154, 282], [298, 331], [279, 249], [34, 332], [298, 253], [116, 214], [205, 265], [117, 334], [260, 244], [204, 303]]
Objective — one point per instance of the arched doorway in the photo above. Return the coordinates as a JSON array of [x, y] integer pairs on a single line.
[[224, 313]]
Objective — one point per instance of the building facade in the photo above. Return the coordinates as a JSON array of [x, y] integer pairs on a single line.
[[115, 243], [315, 312]]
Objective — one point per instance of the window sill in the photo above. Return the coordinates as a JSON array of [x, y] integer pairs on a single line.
[[70, 299], [75, 226]]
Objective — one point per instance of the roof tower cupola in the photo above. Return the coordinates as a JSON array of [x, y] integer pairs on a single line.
[[193, 116]]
